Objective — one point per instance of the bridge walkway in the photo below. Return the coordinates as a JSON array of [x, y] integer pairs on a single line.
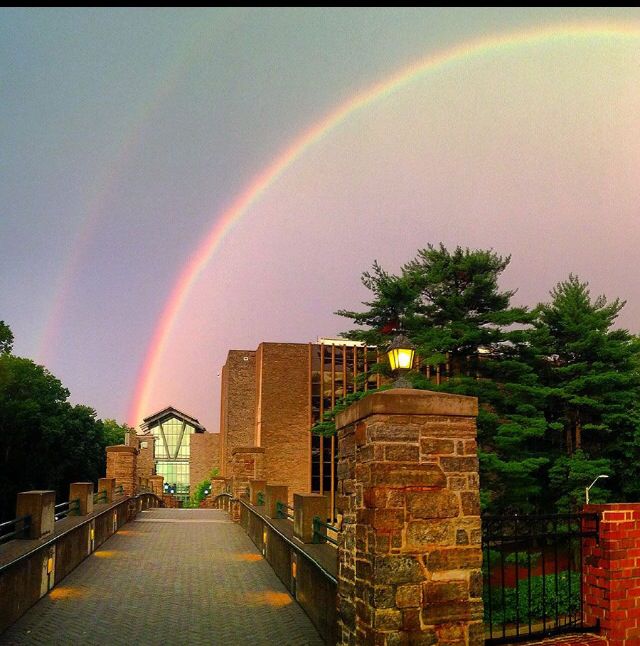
[[171, 576]]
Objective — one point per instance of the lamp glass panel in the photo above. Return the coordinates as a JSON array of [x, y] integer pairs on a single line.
[[405, 358]]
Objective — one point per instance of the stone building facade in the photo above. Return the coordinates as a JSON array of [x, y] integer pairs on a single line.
[[271, 397]]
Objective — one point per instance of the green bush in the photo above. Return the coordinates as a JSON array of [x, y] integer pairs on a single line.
[[507, 611]]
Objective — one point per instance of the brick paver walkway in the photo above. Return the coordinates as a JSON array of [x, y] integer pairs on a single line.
[[170, 577]]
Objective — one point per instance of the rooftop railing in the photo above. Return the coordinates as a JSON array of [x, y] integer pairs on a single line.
[[64, 509], [20, 526]]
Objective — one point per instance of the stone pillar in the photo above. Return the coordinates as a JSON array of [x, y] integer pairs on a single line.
[[217, 486], [409, 555], [305, 507], [247, 464], [82, 491], [108, 485], [272, 495], [40, 506], [255, 487], [146, 462], [157, 484], [611, 576], [122, 464]]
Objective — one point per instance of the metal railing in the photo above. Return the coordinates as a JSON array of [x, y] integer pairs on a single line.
[[119, 491], [260, 499], [21, 527], [100, 496], [64, 509], [320, 534], [282, 510], [532, 569]]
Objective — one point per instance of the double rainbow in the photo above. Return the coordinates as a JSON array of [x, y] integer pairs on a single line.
[[225, 222]]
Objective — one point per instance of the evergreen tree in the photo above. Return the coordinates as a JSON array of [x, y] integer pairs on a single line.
[[453, 310], [593, 381]]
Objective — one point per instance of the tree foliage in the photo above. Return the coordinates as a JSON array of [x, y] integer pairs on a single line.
[[558, 386], [45, 441]]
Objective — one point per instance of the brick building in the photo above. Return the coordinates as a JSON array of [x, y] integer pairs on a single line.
[[182, 449], [271, 397]]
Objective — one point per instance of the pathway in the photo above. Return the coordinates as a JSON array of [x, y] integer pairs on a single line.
[[172, 576]]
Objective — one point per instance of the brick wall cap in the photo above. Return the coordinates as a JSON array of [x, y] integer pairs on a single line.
[[407, 401], [121, 448], [247, 449], [613, 506], [309, 495]]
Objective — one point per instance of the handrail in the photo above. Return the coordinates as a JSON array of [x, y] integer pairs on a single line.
[[100, 495], [298, 548], [72, 508], [260, 499], [119, 490], [321, 537], [22, 530], [281, 510]]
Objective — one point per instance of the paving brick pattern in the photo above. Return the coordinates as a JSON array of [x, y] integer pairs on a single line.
[[172, 576]]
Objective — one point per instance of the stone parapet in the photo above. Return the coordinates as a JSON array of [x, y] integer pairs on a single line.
[[409, 555], [273, 495], [247, 463], [305, 508]]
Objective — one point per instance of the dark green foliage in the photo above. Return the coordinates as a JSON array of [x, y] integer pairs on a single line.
[[453, 310], [6, 338], [199, 494], [45, 442], [558, 386], [593, 382], [516, 606]]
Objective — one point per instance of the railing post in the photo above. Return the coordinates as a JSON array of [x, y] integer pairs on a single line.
[[273, 494], [255, 487], [108, 485], [157, 484], [409, 553], [40, 506], [305, 507], [82, 491]]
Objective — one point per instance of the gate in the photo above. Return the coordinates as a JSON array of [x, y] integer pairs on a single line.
[[532, 569]]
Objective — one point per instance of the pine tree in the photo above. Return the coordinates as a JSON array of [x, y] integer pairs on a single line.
[[593, 381], [453, 310]]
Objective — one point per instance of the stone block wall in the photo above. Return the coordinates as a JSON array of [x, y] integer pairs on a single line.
[[409, 557], [282, 413], [146, 462], [237, 405], [205, 456], [122, 464]]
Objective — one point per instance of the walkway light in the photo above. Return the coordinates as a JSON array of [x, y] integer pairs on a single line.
[[586, 491], [401, 353]]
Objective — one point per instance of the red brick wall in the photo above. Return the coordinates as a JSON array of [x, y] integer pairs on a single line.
[[282, 420], [611, 573], [238, 405], [205, 456]]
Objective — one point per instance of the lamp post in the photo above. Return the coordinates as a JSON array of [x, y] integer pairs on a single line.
[[586, 491], [401, 353]]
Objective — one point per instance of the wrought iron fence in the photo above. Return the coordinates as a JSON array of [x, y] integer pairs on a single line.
[[532, 568]]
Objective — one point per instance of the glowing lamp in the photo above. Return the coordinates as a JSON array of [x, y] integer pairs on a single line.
[[401, 353], [49, 565]]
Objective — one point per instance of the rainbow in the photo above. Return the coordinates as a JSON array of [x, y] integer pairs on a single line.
[[226, 221]]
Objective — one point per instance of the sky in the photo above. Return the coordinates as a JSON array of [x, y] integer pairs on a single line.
[[176, 183]]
